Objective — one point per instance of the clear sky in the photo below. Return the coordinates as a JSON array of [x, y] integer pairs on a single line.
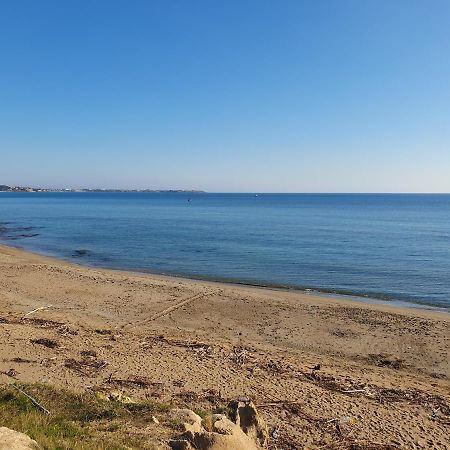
[[234, 95]]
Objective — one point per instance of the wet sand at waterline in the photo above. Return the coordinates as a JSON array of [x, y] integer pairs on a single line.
[[327, 372]]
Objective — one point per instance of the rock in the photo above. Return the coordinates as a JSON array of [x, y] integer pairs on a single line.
[[179, 444], [192, 423], [13, 440], [224, 435], [81, 252], [245, 415]]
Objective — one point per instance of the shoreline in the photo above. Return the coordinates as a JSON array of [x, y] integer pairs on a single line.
[[317, 292], [299, 295]]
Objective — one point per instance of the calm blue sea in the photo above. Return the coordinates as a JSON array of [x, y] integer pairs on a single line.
[[390, 247]]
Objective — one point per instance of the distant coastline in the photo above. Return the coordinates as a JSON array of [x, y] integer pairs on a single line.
[[5, 188]]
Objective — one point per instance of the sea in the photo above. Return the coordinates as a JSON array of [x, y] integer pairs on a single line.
[[385, 247]]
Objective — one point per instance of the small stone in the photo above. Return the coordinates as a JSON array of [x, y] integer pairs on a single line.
[[13, 440]]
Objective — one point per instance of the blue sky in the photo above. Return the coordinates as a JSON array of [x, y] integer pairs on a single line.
[[260, 96]]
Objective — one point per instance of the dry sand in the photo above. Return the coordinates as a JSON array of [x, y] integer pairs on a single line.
[[200, 340]]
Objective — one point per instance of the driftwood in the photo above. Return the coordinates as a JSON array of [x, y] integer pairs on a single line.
[[354, 391], [36, 310], [279, 403]]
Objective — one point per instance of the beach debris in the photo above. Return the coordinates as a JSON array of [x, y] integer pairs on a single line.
[[41, 308], [131, 382], [64, 330], [33, 321], [211, 395], [23, 360], [103, 331], [358, 391], [46, 362], [385, 360], [155, 420], [240, 355], [32, 399], [275, 433], [14, 440], [343, 425], [200, 349], [343, 420], [86, 366], [113, 396], [49, 343], [12, 373], [90, 353], [278, 403], [271, 366], [326, 381], [316, 367], [60, 327]]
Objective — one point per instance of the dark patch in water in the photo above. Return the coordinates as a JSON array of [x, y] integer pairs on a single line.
[[82, 252], [11, 233]]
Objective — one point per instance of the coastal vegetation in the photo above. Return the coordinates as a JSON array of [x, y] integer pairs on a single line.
[[78, 421]]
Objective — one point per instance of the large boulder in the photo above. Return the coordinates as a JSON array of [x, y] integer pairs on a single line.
[[13, 440], [246, 430], [225, 435], [244, 414]]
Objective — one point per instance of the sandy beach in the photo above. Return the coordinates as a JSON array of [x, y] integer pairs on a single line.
[[326, 372]]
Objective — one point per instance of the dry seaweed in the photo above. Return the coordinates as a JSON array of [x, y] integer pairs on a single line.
[[87, 366], [49, 343], [130, 382]]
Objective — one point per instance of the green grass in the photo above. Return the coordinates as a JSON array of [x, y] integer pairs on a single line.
[[77, 421]]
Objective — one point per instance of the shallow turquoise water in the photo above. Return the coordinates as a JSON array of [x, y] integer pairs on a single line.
[[394, 247]]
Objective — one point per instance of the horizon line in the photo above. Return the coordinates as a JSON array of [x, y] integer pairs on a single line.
[[40, 190]]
